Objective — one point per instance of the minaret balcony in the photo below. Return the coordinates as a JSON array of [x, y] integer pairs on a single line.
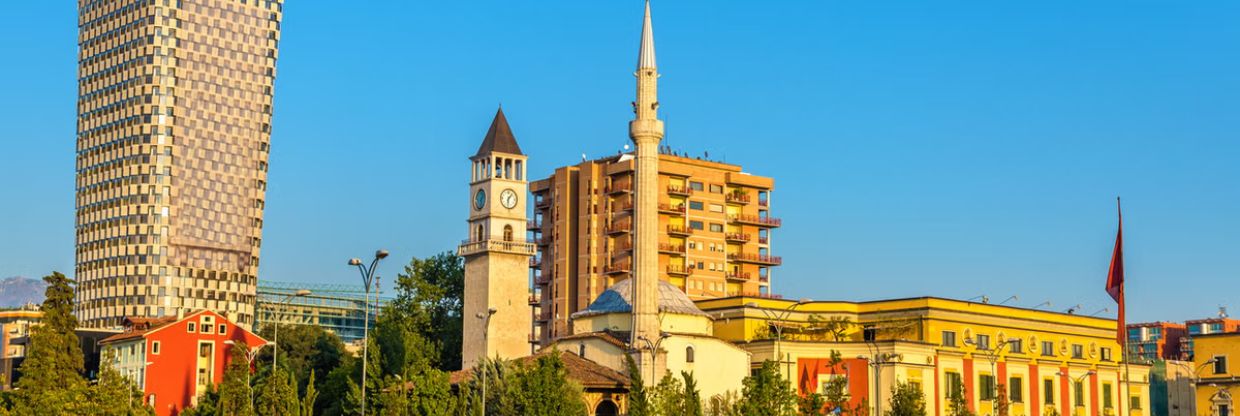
[[679, 230], [668, 248], [672, 209], [679, 270], [679, 190], [738, 198], [469, 248], [736, 237], [756, 220], [755, 259], [618, 188]]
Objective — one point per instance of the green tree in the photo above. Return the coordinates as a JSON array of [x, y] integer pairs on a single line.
[[335, 388], [835, 392], [639, 402], [668, 397], [907, 399], [308, 397], [1002, 405], [115, 395], [278, 395], [208, 404], [235, 392], [693, 398], [724, 404], [766, 393], [52, 381], [956, 404], [811, 404], [429, 299], [541, 389], [305, 350], [431, 394]]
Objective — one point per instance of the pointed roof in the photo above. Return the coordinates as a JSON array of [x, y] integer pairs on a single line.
[[646, 53], [499, 138]]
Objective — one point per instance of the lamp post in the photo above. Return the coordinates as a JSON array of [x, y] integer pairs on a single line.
[[249, 360], [1193, 378], [877, 365], [1077, 380], [275, 353], [486, 327], [654, 351], [992, 354], [779, 330], [368, 274]]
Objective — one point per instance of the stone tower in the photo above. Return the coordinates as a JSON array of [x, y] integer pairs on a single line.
[[646, 130], [497, 318]]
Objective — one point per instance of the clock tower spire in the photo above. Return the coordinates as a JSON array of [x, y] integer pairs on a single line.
[[496, 311]]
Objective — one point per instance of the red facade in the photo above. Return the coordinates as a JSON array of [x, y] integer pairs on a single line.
[[180, 357], [813, 372]]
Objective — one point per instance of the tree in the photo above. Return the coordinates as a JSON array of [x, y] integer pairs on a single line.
[[305, 351], [668, 397], [334, 389], [208, 404], [235, 392], [1002, 405], [956, 404], [307, 398], [907, 399], [541, 389], [429, 298], [724, 404], [52, 372], [766, 393], [278, 395], [431, 394], [639, 403], [835, 393], [115, 395], [693, 398], [811, 404], [834, 328]]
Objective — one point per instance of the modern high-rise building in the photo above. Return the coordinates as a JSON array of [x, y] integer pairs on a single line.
[[173, 137]]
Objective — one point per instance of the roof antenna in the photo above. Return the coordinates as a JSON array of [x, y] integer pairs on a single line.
[[1222, 312]]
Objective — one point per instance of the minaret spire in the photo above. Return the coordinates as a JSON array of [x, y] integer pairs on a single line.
[[646, 130]]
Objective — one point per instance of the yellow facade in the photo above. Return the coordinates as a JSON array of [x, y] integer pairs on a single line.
[[173, 135], [924, 340], [714, 231], [1216, 356]]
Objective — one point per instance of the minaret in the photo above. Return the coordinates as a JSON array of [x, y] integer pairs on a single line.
[[646, 130]]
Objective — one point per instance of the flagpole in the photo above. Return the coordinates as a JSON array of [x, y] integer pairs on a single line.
[[1126, 382]]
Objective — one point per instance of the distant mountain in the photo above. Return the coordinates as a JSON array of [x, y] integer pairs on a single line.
[[17, 291]]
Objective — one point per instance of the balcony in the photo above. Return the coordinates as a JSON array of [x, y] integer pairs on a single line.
[[669, 248], [672, 209], [543, 241], [535, 263], [756, 220], [679, 230], [616, 268], [738, 198], [542, 281], [469, 248], [533, 339], [764, 202], [761, 295], [764, 279], [619, 228], [679, 190], [624, 206], [755, 259], [543, 203], [533, 225], [737, 237], [764, 240], [617, 188], [679, 270], [534, 301], [741, 276]]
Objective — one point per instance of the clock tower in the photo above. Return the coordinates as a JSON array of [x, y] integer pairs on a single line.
[[496, 305]]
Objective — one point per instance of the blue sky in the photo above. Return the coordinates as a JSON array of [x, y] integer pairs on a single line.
[[947, 148]]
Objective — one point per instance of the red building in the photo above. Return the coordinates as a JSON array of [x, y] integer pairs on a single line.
[[1154, 341], [173, 360]]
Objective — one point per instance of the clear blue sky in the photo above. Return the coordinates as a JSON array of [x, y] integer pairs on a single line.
[[947, 148]]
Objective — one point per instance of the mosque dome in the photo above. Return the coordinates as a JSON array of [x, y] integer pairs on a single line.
[[617, 299]]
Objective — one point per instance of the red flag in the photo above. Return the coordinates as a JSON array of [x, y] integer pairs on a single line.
[[1115, 277]]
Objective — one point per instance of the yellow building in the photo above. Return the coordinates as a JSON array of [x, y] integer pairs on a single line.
[[173, 135], [1043, 360], [1219, 380], [714, 233]]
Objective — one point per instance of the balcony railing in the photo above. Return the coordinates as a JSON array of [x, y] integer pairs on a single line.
[[542, 203], [755, 258], [764, 202], [679, 190], [624, 206], [534, 301], [671, 209], [756, 220], [736, 237], [618, 228], [738, 198], [535, 262], [737, 275], [623, 267], [679, 270], [671, 248], [515, 247], [616, 188], [533, 225], [543, 241], [764, 240], [679, 229], [761, 295], [764, 279]]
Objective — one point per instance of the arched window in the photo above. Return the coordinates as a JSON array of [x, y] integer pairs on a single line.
[[581, 350], [689, 354], [479, 236], [508, 233]]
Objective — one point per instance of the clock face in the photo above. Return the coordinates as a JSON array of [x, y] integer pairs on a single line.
[[508, 198], [480, 199]]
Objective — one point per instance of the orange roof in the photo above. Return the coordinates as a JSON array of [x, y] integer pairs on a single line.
[[588, 373], [139, 326]]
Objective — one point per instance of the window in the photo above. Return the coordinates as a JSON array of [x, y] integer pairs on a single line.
[[1220, 364], [696, 225], [716, 189], [695, 205], [983, 342], [1224, 410], [986, 384], [716, 208], [1078, 394], [1048, 348], [689, 354], [949, 338], [1105, 353], [1134, 403], [953, 383], [716, 228], [222, 329], [1048, 391], [204, 350], [1078, 351], [206, 328], [1015, 393], [1015, 345], [507, 232], [697, 186], [155, 347], [1106, 395], [191, 327], [581, 350]]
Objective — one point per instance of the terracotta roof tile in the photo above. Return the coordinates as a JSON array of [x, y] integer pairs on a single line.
[[581, 370]]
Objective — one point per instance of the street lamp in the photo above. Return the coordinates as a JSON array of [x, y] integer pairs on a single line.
[[1076, 379], [1193, 378], [249, 360], [877, 365], [486, 327], [654, 351], [276, 339], [368, 274], [779, 330], [993, 356]]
